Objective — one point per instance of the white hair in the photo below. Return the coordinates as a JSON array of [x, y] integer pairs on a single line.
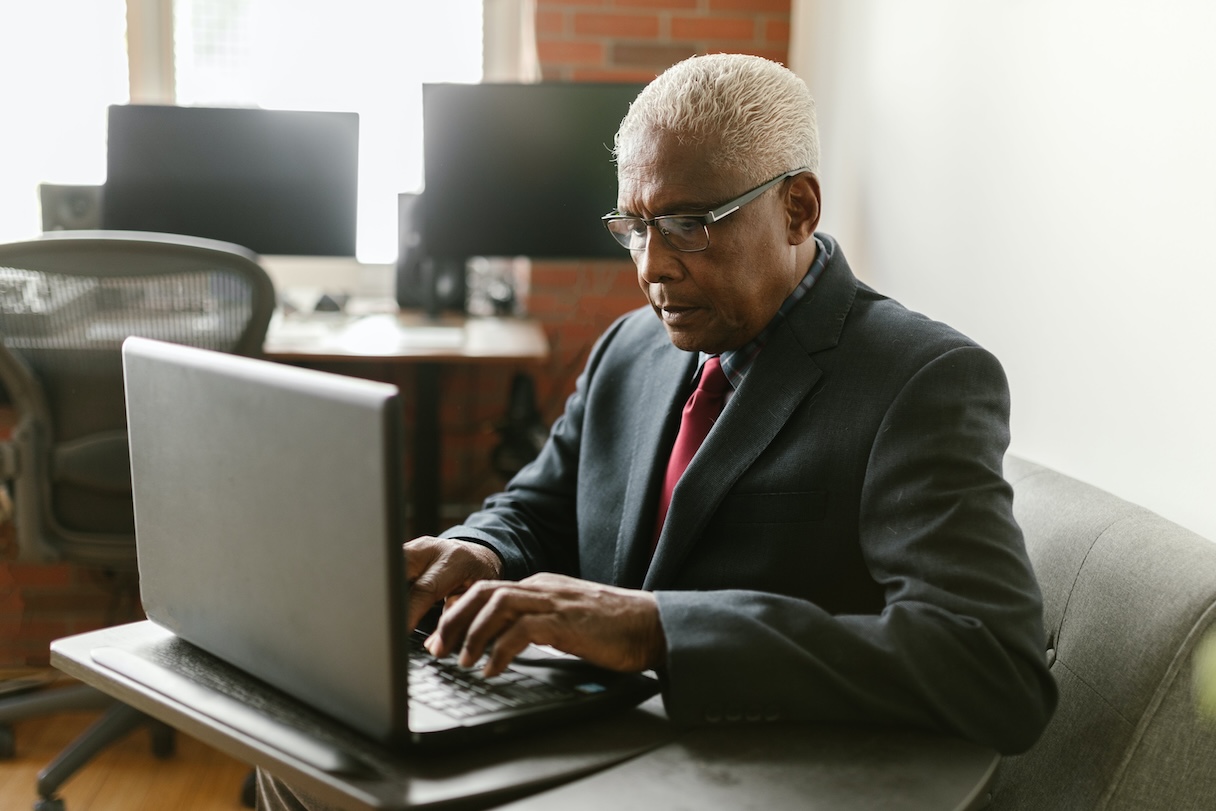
[[756, 115]]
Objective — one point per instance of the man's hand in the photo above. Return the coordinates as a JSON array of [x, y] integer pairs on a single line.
[[612, 627], [438, 568]]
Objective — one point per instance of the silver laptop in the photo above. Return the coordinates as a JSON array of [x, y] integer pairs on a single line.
[[269, 525]]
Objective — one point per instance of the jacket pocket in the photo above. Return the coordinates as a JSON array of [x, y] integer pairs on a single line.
[[772, 508]]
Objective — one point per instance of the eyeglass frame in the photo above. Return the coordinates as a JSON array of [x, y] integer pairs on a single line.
[[705, 220]]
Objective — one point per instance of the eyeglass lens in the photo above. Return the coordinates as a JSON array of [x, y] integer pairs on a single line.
[[681, 233]]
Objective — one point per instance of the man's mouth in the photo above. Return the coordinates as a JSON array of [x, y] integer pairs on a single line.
[[676, 314]]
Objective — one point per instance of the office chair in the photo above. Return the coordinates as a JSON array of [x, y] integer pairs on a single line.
[[67, 301]]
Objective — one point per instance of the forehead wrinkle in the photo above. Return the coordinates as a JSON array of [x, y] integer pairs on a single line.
[[655, 198]]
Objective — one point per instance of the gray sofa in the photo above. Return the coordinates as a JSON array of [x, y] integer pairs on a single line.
[[1128, 596]]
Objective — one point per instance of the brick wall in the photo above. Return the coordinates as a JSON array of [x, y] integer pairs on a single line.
[[40, 602], [632, 40], [578, 40]]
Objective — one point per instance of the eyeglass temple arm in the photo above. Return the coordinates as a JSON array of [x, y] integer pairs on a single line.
[[735, 205]]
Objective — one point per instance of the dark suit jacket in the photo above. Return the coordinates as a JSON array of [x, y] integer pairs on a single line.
[[842, 547]]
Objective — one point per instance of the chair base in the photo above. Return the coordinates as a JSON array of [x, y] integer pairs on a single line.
[[116, 722]]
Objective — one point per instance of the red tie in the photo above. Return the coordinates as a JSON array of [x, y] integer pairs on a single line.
[[700, 413]]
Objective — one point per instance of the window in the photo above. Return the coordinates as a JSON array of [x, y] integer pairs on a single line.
[[366, 56], [63, 63]]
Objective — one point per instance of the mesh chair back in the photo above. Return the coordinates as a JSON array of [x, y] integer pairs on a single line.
[[67, 302]]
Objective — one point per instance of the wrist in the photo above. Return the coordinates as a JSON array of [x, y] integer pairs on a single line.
[[654, 638], [487, 556]]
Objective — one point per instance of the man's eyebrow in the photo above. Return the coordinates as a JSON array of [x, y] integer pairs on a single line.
[[676, 209]]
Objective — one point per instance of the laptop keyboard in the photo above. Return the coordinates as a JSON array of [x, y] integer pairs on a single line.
[[443, 685]]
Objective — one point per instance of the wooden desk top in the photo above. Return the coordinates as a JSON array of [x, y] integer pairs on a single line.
[[371, 333]]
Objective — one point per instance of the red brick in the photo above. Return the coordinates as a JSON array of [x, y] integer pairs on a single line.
[[549, 268], [31, 657], [10, 621], [571, 51], [775, 54], [659, 56], [777, 32], [727, 28], [66, 602], [8, 418], [40, 632], [544, 305], [545, 275], [38, 574], [616, 25], [754, 6], [563, 3], [550, 22], [656, 5], [612, 75], [86, 624]]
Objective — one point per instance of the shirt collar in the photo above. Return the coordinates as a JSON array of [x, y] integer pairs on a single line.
[[737, 362]]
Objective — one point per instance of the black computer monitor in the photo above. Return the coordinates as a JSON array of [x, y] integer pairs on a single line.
[[275, 181], [520, 169]]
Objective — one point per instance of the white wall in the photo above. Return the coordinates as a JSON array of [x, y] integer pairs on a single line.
[[1041, 174]]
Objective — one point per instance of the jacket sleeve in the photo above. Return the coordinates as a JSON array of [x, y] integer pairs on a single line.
[[533, 523], [959, 644]]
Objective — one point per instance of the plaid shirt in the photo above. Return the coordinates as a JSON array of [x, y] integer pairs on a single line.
[[737, 362]]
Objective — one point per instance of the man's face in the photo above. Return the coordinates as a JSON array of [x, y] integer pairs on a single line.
[[720, 298]]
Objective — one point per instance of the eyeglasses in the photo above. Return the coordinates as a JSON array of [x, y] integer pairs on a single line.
[[687, 233]]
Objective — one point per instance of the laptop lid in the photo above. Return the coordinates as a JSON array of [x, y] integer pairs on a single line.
[[269, 525]]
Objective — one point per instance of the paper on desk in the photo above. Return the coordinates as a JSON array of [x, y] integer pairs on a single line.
[[382, 335]]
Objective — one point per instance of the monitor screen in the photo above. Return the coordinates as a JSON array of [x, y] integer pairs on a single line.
[[275, 181], [520, 169]]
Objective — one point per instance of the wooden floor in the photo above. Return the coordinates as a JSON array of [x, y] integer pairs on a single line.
[[126, 777]]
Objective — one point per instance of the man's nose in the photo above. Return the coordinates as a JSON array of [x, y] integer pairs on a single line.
[[658, 261]]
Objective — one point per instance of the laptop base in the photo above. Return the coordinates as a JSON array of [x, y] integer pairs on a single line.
[[368, 775]]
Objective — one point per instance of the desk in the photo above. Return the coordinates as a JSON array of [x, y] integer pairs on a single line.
[[807, 767], [372, 330], [635, 760]]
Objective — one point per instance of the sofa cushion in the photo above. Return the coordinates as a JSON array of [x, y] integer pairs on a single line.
[[1127, 598]]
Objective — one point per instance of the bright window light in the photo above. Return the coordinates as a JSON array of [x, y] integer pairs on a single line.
[[365, 56], [63, 62]]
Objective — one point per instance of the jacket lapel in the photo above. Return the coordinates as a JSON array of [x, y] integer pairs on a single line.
[[669, 371], [782, 377]]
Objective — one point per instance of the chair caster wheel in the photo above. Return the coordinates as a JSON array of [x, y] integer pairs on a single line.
[[164, 742], [8, 743], [249, 790], [53, 804]]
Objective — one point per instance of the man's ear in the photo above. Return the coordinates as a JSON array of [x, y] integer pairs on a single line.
[[802, 207]]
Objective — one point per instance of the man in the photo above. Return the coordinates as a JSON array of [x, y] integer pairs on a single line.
[[841, 546]]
